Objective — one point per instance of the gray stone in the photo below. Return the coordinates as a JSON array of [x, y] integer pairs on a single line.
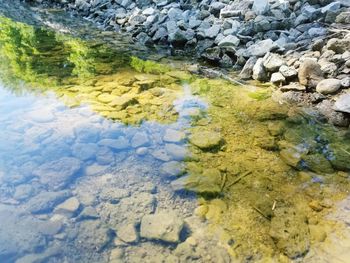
[[277, 79], [57, 174], [272, 62], [69, 207], [288, 72], [343, 103], [247, 70], [164, 226], [261, 7], [328, 86], [173, 136], [345, 82], [331, 7], [260, 48], [335, 117], [45, 202], [229, 41], [121, 143], [172, 169], [213, 31], [140, 139], [175, 151], [84, 151], [127, 233], [259, 72]]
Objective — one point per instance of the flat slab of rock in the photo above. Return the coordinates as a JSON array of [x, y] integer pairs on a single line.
[[343, 103], [127, 233], [206, 139], [164, 226], [293, 86]]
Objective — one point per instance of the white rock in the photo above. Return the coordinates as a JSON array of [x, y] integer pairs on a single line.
[[343, 103], [328, 86]]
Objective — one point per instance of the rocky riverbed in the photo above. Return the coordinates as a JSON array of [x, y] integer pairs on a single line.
[[108, 156]]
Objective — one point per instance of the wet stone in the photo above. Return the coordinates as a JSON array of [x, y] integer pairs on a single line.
[[164, 226], [45, 201], [140, 139], [88, 213], [120, 143], [68, 207], [87, 133], [91, 235], [84, 151], [207, 183], [177, 152], [172, 168], [57, 174], [161, 155], [206, 140], [173, 136], [104, 156], [127, 233]]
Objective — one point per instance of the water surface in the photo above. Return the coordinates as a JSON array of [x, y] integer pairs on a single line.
[[94, 138]]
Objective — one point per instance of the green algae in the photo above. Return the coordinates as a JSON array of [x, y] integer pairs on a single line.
[[264, 196]]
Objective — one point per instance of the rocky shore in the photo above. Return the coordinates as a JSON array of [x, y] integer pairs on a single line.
[[302, 47]]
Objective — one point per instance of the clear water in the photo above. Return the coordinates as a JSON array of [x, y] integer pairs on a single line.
[[94, 139]]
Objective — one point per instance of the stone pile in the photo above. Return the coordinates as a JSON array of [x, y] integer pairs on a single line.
[[270, 40]]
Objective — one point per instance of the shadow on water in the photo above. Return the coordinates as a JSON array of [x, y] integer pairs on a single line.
[[94, 139]]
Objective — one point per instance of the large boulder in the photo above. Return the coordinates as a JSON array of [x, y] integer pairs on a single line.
[[310, 73]]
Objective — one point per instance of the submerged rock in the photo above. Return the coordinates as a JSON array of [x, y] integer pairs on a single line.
[[127, 233], [57, 174], [164, 226], [206, 183], [45, 201], [290, 232], [68, 207], [206, 140], [172, 168]]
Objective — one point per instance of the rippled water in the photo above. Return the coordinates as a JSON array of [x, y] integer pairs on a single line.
[[107, 157]]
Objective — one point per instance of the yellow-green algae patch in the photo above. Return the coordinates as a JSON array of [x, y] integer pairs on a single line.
[[271, 210]]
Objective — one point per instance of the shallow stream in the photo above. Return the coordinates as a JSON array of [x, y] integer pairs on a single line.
[[110, 152]]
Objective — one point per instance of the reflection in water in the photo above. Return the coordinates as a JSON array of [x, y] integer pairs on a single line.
[[110, 162]]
